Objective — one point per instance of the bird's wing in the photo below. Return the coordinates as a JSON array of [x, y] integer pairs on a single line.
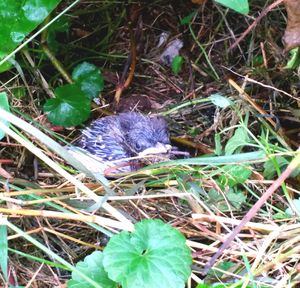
[[104, 139]]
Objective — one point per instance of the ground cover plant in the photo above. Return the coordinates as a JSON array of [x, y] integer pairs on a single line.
[[222, 213]]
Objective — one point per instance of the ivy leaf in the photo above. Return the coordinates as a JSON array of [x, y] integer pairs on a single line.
[[92, 266], [240, 6], [237, 142], [236, 198], [215, 199], [19, 18], [4, 105], [176, 64], [89, 78], [234, 174], [154, 255], [70, 107]]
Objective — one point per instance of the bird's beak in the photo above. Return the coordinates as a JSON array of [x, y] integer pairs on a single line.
[[159, 148]]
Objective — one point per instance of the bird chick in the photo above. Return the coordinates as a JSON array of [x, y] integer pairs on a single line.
[[108, 143]]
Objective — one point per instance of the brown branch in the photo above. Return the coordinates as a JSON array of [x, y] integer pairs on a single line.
[[132, 59]]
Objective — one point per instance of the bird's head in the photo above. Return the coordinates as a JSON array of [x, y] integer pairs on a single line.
[[145, 134]]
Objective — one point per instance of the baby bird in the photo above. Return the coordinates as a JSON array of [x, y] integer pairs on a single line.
[[107, 145]]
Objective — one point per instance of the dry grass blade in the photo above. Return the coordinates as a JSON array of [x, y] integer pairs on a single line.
[[126, 223], [251, 213], [233, 118]]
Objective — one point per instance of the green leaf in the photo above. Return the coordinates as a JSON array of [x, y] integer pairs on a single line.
[[19, 92], [194, 188], [215, 199], [281, 162], [240, 6], [3, 250], [4, 105], [234, 174], [92, 266], [294, 60], [270, 169], [153, 255], [19, 18], [280, 216], [225, 265], [222, 285], [69, 108], [176, 64], [187, 19], [62, 24], [237, 142], [236, 198], [89, 78], [6, 65], [257, 60], [219, 100]]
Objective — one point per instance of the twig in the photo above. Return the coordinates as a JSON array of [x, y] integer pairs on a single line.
[[252, 212], [132, 58]]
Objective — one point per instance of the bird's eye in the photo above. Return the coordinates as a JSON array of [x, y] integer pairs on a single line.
[[138, 147]]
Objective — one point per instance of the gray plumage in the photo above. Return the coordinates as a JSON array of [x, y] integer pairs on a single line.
[[125, 135]]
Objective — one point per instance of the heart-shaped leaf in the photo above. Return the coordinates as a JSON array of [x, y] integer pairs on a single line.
[[70, 107], [154, 255], [232, 175], [89, 78], [93, 268], [19, 18]]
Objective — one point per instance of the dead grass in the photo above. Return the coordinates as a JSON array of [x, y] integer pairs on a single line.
[[46, 206]]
